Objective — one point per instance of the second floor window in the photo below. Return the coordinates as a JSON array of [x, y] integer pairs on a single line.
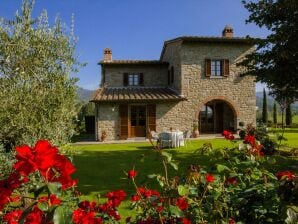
[[133, 79], [217, 67]]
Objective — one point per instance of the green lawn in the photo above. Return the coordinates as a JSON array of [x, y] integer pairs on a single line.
[[100, 168], [291, 134]]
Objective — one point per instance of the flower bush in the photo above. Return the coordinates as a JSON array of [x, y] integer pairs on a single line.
[[40, 189]]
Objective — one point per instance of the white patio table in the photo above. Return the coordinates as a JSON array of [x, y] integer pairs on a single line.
[[171, 139]]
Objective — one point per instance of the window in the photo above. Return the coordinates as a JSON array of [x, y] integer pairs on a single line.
[[217, 67], [133, 79], [171, 76]]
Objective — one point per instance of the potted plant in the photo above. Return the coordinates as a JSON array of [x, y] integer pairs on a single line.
[[103, 136], [195, 130]]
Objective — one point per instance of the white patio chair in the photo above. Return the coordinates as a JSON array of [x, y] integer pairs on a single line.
[[186, 136], [165, 140]]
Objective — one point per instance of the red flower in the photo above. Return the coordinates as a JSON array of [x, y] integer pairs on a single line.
[[250, 139], [231, 221], [209, 178], [186, 221], [228, 135], [52, 200], [232, 181], [182, 203], [13, 217], [135, 198], [81, 216], [159, 209], [116, 197], [35, 217], [132, 174], [289, 175]]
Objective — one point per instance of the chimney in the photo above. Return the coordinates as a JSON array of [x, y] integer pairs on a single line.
[[227, 32], [107, 54]]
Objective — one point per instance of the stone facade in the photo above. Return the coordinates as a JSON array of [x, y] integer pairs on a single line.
[[188, 60], [153, 75]]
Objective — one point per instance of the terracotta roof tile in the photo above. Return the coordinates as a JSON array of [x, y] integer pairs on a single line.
[[113, 94], [134, 62]]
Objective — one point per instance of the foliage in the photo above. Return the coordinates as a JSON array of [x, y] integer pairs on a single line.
[[37, 97], [6, 162], [288, 115], [40, 189], [274, 61], [274, 113], [241, 192], [264, 111]]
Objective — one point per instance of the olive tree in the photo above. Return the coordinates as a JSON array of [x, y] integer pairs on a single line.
[[38, 95]]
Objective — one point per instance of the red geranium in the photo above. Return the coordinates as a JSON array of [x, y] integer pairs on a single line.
[[135, 198], [13, 217], [132, 174], [209, 178], [81, 216], [228, 135], [289, 175], [232, 181], [182, 203], [250, 139]]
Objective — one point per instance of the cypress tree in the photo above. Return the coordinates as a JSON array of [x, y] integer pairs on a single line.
[[265, 111], [288, 115], [274, 113]]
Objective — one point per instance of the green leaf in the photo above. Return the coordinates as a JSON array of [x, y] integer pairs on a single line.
[[183, 190], [39, 190], [152, 176], [62, 215], [174, 165], [55, 188], [168, 156], [43, 206], [174, 210], [221, 168]]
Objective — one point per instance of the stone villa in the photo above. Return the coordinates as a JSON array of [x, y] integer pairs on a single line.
[[194, 84]]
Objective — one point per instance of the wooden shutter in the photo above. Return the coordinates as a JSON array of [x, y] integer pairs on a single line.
[[208, 67], [141, 80], [169, 77], [226, 67], [125, 79], [151, 118], [123, 112], [172, 74]]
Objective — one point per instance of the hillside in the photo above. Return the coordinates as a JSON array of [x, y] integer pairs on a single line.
[[270, 102], [85, 94]]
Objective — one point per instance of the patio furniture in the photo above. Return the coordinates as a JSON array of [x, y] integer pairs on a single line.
[[186, 136], [171, 139]]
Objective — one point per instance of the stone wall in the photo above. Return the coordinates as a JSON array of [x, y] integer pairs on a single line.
[[154, 75], [172, 56], [107, 120]]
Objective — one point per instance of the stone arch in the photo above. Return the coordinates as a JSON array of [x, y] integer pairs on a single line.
[[223, 115], [234, 107]]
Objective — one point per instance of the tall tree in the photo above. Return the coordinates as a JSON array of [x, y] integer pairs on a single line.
[[37, 97], [289, 115], [274, 113], [265, 110], [275, 60]]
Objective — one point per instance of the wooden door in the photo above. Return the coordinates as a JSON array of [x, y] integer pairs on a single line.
[[207, 119], [124, 124], [151, 118], [138, 121]]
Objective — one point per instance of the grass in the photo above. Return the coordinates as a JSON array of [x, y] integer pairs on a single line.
[[100, 168], [291, 134]]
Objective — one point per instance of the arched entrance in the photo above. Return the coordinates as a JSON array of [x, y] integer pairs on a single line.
[[217, 115]]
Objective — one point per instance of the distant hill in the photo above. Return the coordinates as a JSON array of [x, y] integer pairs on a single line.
[[270, 102], [85, 94]]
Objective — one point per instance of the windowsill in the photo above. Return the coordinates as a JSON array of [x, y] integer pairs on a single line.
[[217, 77]]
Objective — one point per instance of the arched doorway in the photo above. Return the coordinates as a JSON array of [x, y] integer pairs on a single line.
[[216, 116]]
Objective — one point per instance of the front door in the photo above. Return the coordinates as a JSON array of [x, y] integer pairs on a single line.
[[138, 121]]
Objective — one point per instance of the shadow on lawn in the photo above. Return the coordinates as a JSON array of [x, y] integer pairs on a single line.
[[103, 171]]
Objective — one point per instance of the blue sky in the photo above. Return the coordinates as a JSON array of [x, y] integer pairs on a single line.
[[136, 29]]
